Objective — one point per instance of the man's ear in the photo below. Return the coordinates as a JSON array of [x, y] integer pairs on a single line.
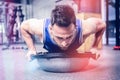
[[50, 29]]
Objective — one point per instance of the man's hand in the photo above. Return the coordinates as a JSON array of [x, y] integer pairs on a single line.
[[29, 54], [95, 51]]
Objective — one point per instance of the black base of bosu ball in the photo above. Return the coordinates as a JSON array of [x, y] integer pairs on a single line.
[[61, 62]]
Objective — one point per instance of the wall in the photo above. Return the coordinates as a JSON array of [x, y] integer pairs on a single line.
[[42, 8]]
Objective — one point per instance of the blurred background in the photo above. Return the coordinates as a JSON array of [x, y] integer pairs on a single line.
[[14, 65], [13, 12]]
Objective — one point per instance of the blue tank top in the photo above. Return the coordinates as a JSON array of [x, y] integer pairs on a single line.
[[51, 46]]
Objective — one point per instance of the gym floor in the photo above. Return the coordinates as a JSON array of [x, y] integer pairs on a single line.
[[14, 66]]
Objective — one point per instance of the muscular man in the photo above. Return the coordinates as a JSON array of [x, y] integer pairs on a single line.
[[62, 32]]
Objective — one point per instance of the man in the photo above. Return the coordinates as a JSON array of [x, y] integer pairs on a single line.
[[63, 32]]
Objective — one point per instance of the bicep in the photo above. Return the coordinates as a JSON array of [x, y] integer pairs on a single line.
[[36, 26], [89, 27], [93, 25]]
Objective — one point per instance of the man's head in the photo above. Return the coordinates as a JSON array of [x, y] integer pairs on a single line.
[[63, 25], [63, 15]]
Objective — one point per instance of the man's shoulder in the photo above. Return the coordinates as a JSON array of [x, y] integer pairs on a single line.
[[93, 19], [31, 20]]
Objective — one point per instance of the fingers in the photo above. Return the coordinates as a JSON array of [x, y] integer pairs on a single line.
[[29, 54], [93, 51], [97, 55], [96, 52]]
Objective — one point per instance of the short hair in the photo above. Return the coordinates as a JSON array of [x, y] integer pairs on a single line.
[[63, 15]]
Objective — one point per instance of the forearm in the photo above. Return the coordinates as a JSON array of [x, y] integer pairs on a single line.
[[30, 43], [98, 38], [28, 40]]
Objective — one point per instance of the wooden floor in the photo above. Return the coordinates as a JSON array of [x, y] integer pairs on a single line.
[[14, 66]]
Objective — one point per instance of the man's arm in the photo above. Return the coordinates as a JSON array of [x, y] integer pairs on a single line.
[[94, 26], [100, 28], [28, 29], [26, 34]]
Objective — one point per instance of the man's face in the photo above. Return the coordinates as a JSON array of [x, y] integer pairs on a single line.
[[63, 36]]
